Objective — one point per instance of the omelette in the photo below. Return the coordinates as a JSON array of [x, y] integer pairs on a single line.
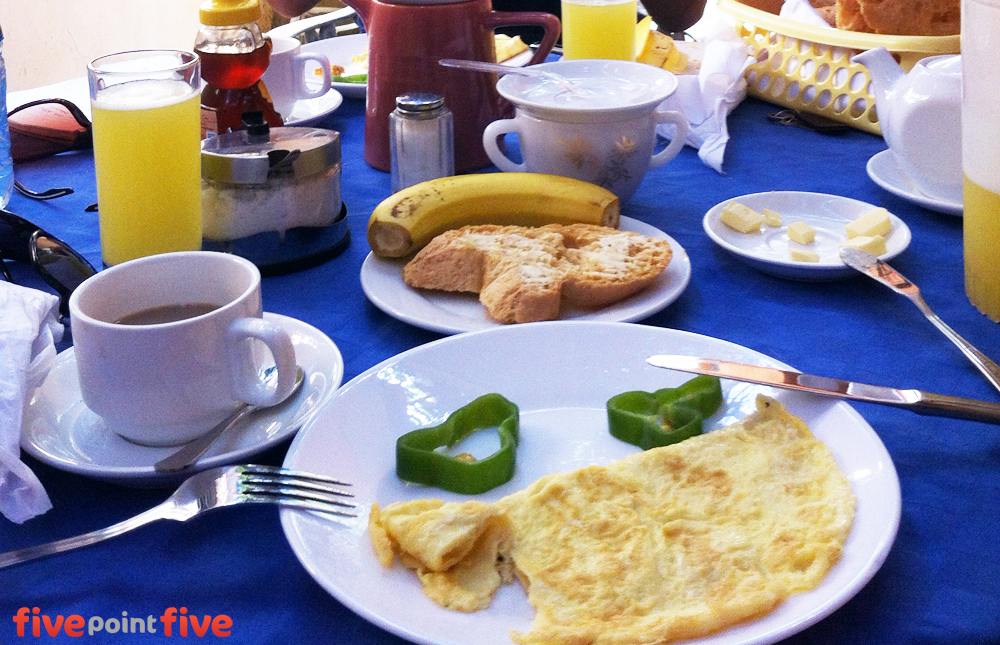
[[671, 543]]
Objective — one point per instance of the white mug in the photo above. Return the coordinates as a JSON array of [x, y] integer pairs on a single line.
[[288, 74], [165, 383], [607, 139]]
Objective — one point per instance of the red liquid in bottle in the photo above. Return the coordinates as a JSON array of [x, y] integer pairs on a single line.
[[233, 71]]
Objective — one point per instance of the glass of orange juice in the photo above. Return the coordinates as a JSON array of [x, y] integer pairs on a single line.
[[981, 153], [598, 29], [147, 152]]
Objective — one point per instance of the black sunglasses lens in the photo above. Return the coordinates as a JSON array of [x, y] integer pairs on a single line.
[[60, 265]]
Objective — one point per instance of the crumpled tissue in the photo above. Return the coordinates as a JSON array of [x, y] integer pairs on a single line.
[[29, 330], [708, 98], [802, 11]]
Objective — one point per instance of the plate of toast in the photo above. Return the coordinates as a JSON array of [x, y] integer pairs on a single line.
[[453, 312]]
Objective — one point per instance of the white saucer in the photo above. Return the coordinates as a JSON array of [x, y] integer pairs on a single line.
[[767, 250], [59, 430], [884, 171], [309, 111]]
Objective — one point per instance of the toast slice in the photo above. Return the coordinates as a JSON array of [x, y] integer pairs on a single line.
[[525, 274]]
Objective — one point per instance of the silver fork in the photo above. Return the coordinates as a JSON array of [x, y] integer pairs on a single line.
[[208, 490]]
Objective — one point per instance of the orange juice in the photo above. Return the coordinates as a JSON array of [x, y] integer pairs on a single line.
[[981, 154], [147, 153], [981, 231], [598, 29]]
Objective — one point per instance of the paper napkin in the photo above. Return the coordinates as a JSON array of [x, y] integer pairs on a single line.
[[29, 330], [708, 98], [802, 11]]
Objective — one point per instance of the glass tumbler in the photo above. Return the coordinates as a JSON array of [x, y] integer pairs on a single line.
[[147, 152], [981, 153]]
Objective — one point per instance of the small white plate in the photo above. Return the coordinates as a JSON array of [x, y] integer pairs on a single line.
[[884, 171], [340, 49], [451, 313], [767, 250], [309, 111], [59, 429], [560, 374]]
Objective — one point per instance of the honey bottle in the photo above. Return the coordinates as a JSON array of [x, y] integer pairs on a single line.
[[234, 56]]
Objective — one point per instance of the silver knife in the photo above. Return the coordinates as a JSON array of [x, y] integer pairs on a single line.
[[940, 405], [874, 268]]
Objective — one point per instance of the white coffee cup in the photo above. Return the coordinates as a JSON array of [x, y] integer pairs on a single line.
[[167, 383], [597, 133], [288, 75]]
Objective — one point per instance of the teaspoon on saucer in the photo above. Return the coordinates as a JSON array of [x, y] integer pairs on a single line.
[[876, 269], [189, 453]]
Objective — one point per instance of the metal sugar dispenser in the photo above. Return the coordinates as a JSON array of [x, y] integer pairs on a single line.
[[421, 139], [272, 195]]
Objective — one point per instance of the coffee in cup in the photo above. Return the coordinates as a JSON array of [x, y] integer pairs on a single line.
[[166, 346], [290, 77]]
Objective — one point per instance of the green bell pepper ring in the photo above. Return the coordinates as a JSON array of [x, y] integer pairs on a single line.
[[417, 460], [663, 417]]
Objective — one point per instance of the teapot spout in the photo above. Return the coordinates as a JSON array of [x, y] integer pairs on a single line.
[[883, 69]]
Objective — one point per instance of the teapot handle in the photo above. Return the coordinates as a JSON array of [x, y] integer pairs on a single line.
[[547, 21]]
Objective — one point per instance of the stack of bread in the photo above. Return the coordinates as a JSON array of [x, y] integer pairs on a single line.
[[888, 17]]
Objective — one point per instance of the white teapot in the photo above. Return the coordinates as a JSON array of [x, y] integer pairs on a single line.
[[920, 114]]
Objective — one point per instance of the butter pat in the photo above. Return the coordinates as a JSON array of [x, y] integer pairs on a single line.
[[801, 232], [874, 244], [772, 218], [741, 218], [803, 255], [874, 222]]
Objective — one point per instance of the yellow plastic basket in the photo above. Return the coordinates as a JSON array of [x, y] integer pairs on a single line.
[[809, 68]]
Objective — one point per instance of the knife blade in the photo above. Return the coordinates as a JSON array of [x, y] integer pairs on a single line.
[[874, 268], [918, 401]]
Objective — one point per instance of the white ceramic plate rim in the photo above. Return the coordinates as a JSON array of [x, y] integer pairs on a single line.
[[816, 209], [318, 356], [553, 370], [339, 50], [382, 282], [884, 171], [308, 111]]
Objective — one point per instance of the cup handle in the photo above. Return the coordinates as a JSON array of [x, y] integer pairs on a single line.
[[490, 135], [304, 90], [247, 383], [668, 153]]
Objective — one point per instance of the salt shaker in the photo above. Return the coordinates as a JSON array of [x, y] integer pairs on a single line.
[[421, 135]]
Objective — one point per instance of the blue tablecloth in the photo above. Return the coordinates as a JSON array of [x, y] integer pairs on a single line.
[[940, 583]]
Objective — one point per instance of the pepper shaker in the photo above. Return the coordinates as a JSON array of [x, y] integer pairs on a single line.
[[421, 135]]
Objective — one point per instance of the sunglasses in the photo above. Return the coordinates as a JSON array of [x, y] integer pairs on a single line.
[[56, 262], [44, 128]]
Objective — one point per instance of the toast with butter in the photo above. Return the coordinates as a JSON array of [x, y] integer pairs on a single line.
[[526, 274]]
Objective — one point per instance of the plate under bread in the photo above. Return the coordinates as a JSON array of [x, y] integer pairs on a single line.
[[453, 313], [560, 374]]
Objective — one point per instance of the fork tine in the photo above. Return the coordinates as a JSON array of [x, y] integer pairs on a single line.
[[294, 488], [303, 476]]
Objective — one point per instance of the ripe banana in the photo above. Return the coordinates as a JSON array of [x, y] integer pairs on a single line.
[[406, 221]]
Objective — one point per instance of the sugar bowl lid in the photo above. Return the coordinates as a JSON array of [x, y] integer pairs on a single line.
[[257, 154]]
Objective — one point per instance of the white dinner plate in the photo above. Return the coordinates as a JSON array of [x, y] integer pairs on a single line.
[[884, 171], [767, 250], [340, 49], [60, 430], [561, 375], [450, 313]]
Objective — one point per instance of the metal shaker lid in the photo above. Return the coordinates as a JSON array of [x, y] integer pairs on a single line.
[[418, 102], [244, 157]]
